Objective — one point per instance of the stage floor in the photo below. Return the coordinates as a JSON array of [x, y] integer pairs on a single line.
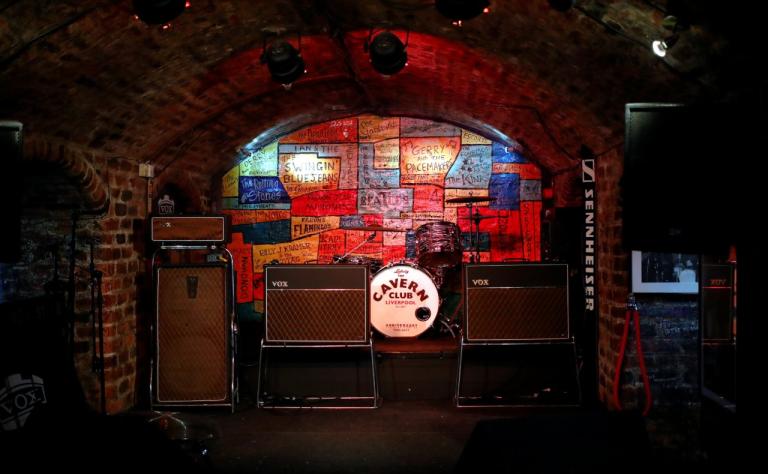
[[418, 437]]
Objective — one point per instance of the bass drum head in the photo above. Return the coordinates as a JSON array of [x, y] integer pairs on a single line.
[[404, 301]]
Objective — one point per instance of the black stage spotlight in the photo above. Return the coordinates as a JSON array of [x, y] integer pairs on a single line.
[[387, 52], [459, 10], [284, 62], [158, 12]]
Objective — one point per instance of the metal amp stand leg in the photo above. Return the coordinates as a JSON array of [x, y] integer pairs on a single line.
[[460, 365], [263, 367]]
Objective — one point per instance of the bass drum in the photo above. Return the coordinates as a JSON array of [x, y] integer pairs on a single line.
[[404, 300]]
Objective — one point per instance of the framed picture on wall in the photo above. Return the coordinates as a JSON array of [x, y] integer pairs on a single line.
[[657, 272]]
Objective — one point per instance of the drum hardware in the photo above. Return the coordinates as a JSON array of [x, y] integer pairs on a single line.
[[375, 264], [470, 199], [373, 228], [476, 216], [474, 236], [376, 228]]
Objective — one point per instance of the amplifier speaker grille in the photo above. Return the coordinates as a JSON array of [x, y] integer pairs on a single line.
[[516, 302], [192, 335], [318, 304], [316, 315], [517, 313]]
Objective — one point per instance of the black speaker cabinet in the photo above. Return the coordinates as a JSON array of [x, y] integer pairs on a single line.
[[192, 337], [717, 302], [316, 303], [516, 302]]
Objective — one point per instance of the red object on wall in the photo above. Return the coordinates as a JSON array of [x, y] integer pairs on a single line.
[[427, 197], [258, 286], [242, 255], [339, 202], [335, 131]]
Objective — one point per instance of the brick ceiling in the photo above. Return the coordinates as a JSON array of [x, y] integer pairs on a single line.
[[86, 72]]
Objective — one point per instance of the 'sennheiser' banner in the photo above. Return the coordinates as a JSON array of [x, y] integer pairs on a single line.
[[590, 236]]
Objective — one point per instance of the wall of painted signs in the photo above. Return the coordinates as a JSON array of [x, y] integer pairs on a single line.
[[294, 200]]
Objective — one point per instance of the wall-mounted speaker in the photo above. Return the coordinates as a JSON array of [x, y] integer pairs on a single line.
[[316, 304], [516, 302], [192, 336], [686, 181]]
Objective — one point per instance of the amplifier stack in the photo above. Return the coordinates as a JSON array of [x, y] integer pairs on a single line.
[[194, 326]]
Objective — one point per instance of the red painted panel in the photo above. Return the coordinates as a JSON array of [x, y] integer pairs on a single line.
[[427, 198], [530, 219], [242, 255], [338, 202], [258, 286], [335, 131]]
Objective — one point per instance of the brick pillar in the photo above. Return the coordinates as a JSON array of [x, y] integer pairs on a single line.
[[613, 269]]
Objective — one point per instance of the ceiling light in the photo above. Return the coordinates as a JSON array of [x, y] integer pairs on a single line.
[[159, 12], [459, 10], [660, 47], [387, 53], [673, 23], [284, 62]]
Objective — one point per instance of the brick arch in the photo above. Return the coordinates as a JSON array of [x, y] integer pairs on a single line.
[[489, 96], [75, 165]]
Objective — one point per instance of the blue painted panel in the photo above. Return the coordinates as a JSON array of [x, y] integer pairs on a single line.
[[265, 232], [505, 188], [262, 190], [530, 190], [506, 154], [368, 176], [472, 168], [484, 241]]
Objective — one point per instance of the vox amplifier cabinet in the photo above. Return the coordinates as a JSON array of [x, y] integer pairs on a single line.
[[192, 335], [316, 303], [516, 302], [190, 229]]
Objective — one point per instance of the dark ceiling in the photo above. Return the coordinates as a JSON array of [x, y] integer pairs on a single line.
[[88, 73]]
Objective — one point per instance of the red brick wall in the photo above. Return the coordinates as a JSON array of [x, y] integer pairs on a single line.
[[78, 178], [613, 269]]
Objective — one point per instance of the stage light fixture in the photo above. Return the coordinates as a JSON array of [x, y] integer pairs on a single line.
[[660, 47], [159, 12], [460, 10], [387, 53], [284, 62]]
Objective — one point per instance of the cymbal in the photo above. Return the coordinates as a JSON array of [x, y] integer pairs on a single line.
[[374, 227], [471, 199]]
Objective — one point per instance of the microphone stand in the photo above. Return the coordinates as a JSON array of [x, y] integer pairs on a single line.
[[97, 318], [71, 288]]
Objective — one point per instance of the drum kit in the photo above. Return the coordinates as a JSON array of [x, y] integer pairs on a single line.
[[406, 296]]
